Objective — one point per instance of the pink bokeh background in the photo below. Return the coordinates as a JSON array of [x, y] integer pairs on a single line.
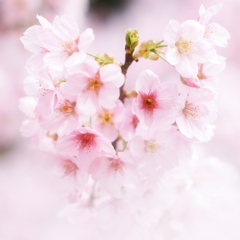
[[30, 195]]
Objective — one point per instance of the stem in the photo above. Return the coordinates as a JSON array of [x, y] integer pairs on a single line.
[[160, 56], [91, 55], [160, 42], [128, 61]]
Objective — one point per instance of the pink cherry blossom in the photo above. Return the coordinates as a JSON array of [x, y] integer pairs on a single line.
[[154, 150], [154, 105], [196, 109], [86, 144], [129, 123], [107, 121], [207, 76], [95, 86], [66, 167], [31, 128], [214, 32], [64, 44], [113, 172], [65, 116], [187, 47]]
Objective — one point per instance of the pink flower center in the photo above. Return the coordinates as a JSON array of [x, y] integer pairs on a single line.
[[193, 111], [149, 101], [95, 85], [115, 165], [69, 46], [70, 168], [67, 108], [86, 140], [106, 117]]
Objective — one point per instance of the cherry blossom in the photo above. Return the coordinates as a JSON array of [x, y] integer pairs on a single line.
[[187, 47], [129, 123], [154, 105], [64, 44], [112, 172], [214, 32], [86, 144], [195, 110], [65, 116], [107, 121], [153, 149], [95, 86], [207, 76]]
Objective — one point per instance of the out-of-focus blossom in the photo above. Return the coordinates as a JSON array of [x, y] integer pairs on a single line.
[[129, 123], [214, 32], [113, 172]]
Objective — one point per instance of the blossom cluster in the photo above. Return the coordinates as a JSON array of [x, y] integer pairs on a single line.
[[115, 145]]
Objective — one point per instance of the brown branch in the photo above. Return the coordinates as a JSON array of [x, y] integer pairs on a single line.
[[128, 61]]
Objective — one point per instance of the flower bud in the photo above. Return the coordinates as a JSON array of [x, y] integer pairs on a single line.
[[107, 58], [132, 39], [148, 50], [191, 82]]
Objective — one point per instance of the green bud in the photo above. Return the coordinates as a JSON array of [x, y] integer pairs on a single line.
[[107, 58], [148, 50], [132, 38]]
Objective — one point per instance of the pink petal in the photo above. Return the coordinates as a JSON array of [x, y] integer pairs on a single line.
[[85, 40], [55, 60], [108, 95], [75, 59], [147, 82], [184, 126], [112, 73]]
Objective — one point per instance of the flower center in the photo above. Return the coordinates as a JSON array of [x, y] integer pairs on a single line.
[[152, 145], [193, 111], [86, 140], [69, 167], [69, 47], [106, 118], [185, 46], [67, 108], [149, 101], [95, 85], [115, 165]]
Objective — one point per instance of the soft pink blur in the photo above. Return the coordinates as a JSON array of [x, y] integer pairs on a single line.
[[31, 196]]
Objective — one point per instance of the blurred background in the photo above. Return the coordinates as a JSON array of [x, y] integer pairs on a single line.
[[30, 195]]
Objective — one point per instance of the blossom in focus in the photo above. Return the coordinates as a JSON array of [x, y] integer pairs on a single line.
[[214, 32], [95, 86], [154, 105], [196, 109], [187, 47]]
